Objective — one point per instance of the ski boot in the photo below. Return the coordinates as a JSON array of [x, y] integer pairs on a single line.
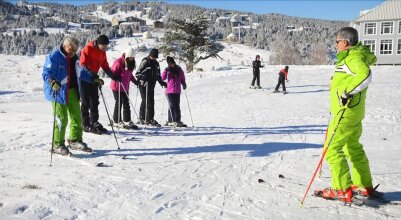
[[332, 194], [79, 145], [131, 125], [99, 128], [61, 149], [368, 192]]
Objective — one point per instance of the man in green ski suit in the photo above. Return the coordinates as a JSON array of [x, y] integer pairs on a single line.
[[62, 77], [347, 98]]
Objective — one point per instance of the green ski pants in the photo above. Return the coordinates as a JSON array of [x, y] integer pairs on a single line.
[[71, 110], [345, 146]]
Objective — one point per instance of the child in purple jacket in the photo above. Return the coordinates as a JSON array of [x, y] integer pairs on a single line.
[[175, 78], [123, 67]]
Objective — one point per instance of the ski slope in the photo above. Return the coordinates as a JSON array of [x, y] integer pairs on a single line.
[[210, 171]]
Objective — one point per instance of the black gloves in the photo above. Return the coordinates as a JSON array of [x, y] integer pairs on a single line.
[[345, 98], [55, 85], [116, 78], [98, 82], [136, 82], [163, 84], [184, 86]]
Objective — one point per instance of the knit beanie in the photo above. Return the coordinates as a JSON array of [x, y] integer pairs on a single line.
[[154, 53], [103, 40]]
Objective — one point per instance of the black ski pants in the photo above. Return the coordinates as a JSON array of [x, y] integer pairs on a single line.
[[256, 77], [147, 103], [124, 102], [174, 111], [281, 81], [90, 103]]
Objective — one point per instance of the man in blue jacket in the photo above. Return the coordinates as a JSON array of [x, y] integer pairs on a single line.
[[62, 77]]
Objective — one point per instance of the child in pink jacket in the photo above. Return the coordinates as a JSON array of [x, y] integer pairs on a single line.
[[123, 67], [175, 78]]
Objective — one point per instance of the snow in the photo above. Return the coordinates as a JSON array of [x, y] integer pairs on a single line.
[[210, 171]]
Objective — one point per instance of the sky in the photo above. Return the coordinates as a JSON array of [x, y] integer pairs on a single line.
[[345, 10]]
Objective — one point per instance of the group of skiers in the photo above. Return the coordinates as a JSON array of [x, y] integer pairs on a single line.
[[66, 80], [69, 79], [283, 76]]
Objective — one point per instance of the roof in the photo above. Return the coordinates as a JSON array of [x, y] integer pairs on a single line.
[[388, 10]]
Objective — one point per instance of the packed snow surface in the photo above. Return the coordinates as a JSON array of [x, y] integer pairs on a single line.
[[210, 171]]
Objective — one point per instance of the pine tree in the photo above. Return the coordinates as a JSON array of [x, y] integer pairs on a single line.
[[188, 41]]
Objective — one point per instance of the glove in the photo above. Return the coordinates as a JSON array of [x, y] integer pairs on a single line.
[[163, 84], [116, 78], [136, 82], [184, 86], [345, 97], [98, 82], [55, 85], [287, 80], [143, 83]]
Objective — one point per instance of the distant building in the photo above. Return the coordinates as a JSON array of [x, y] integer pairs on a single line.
[[158, 24], [136, 20], [117, 20], [380, 30], [90, 25]]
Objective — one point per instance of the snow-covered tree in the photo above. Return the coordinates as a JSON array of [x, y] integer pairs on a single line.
[[187, 40]]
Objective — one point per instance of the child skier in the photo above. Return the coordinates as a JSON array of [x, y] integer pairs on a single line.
[[123, 67], [175, 78], [282, 77]]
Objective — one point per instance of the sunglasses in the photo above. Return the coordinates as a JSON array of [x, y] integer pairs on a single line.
[[338, 40]]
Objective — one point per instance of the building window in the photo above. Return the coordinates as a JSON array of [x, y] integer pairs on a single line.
[[399, 27], [386, 47], [370, 28], [387, 28], [399, 46], [371, 44]]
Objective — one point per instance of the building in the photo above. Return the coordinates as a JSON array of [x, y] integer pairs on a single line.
[[380, 30], [117, 20]]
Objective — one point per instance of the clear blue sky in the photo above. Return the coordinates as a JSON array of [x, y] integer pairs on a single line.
[[324, 9]]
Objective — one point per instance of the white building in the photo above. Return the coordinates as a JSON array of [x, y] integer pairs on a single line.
[[380, 30]]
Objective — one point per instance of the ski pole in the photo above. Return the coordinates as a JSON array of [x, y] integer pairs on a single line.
[[117, 131], [325, 138], [324, 152], [126, 93], [108, 115], [190, 114], [171, 112], [146, 108], [54, 125]]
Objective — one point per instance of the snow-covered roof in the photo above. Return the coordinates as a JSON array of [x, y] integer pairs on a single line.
[[119, 18], [388, 10]]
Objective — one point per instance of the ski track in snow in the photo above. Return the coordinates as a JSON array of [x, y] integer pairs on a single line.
[[206, 172]]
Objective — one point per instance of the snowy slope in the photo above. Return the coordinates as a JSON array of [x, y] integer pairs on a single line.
[[208, 172]]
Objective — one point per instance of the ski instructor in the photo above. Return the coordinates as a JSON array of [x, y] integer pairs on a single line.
[[349, 86]]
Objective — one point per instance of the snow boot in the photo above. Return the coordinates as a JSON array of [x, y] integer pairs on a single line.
[[79, 145], [368, 192], [131, 125], [251, 87], [61, 149], [153, 122], [276, 91], [332, 194], [141, 122], [284, 92], [258, 87], [181, 124], [99, 127]]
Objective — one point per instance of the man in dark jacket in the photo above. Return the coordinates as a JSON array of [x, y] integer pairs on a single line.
[[256, 64], [147, 74]]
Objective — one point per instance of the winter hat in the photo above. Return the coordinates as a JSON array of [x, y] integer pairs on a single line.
[[103, 40], [130, 52], [170, 60], [154, 53]]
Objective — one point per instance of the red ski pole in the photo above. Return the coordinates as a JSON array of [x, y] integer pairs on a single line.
[[324, 153]]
